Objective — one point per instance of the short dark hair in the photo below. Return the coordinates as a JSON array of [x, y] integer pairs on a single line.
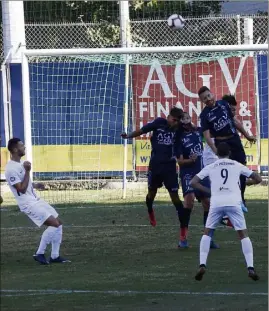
[[12, 143], [203, 89], [223, 150], [176, 112], [230, 99]]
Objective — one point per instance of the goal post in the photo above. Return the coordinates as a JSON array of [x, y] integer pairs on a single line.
[[77, 102]]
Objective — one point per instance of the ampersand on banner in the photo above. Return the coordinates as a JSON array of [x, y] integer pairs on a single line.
[[243, 111]]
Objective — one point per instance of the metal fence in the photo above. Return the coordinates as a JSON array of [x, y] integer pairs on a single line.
[[198, 31], [224, 30]]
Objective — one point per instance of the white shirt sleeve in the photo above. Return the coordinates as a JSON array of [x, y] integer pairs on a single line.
[[12, 177], [204, 172], [245, 170]]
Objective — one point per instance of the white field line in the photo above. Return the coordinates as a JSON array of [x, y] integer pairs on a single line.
[[125, 226], [36, 292], [134, 205]]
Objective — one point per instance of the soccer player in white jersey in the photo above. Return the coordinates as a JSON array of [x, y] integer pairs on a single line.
[[40, 212], [224, 175]]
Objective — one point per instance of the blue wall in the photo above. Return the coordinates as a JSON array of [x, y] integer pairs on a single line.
[[262, 61], [2, 125]]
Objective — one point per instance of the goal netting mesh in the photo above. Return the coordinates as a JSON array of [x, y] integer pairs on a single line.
[[78, 104]]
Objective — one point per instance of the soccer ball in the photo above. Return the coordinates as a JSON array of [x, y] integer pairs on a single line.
[[176, 21]]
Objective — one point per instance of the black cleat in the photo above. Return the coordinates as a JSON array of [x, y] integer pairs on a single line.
[[41, 259], [252, 274], [200, 273]]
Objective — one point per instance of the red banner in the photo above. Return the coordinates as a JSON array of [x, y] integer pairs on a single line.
[[157, 88]]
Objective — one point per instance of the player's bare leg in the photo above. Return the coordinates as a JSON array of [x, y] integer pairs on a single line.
[[247, 250], [149, 202], [206, 204], [184, 213]]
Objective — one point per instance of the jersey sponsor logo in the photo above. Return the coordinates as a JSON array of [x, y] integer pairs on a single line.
[[223, 188], [165, 138], [222, 122]]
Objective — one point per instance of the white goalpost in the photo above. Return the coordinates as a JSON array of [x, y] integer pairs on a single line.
[[76, 103]]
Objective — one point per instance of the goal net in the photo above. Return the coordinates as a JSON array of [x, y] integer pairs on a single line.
[[80, 104]]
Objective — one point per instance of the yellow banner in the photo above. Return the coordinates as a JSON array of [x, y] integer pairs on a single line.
[[76, 158], [143, 149]]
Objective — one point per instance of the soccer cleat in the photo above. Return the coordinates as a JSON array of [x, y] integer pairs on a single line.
[[252, 274], [183, 244], [214, 245], [152, 219], [41, 259], [244, 208], [59, 259], [200, 273]]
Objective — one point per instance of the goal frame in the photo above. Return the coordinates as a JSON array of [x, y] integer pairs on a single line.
[[105, 51]]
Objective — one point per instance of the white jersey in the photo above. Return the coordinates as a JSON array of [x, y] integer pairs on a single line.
[[209, 156], [15, 174], [224, 175]]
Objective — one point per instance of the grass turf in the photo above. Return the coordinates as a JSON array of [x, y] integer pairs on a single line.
[[113, 248]]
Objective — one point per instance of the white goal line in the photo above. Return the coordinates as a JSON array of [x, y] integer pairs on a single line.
[[35, 292]]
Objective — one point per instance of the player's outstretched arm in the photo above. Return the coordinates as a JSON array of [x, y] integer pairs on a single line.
[[132, 135], [209, 141], [239, 126], [195, 183], [254, 179]]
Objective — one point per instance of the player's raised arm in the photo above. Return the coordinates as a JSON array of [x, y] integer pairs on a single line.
[[20, 186]]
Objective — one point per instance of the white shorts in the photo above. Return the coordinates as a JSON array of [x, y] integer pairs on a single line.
[[234, 213], [39, 212]]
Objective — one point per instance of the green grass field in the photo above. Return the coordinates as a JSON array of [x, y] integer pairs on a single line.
[[119, 262]]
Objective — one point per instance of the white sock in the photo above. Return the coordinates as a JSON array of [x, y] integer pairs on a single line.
[[247, 251], [46, 239], [204, 248], [56, 242]]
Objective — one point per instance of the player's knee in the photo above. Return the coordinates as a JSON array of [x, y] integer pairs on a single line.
[[188, 201], [207, 231], [151, 194], [242, 234], [206, 204], [53, 222]]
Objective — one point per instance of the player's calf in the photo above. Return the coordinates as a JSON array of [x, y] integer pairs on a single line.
[[149, 202], [247, 250]]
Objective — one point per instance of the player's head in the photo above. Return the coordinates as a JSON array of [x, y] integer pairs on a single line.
[[186, 119], [16, 146], [223, 150], [206, 96], [174, 116], [232, 102]]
